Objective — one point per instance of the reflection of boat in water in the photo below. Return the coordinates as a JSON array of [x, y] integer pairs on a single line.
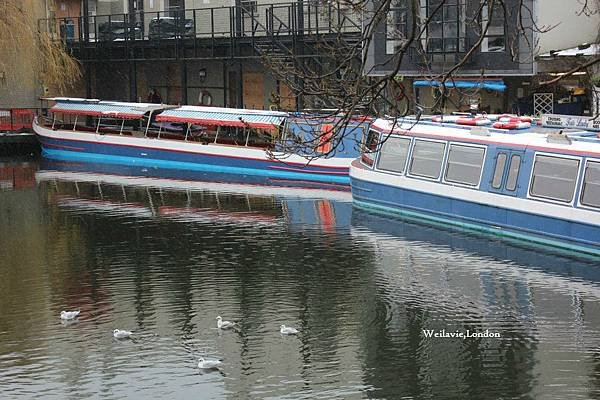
[[195, 196], [540, 305], [426, 238]]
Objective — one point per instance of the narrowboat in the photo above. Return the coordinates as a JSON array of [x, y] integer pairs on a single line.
[[537, 181], [239, 141]]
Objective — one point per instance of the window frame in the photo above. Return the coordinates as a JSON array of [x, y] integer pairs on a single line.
[[510, 160], [506, 158], [426, 7], [550, 200], [580, 197], [485, 42], [410, 156], [446, 164], [372, 153]]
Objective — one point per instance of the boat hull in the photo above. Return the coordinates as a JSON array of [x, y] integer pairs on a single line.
[[520, 219], [178, 154]]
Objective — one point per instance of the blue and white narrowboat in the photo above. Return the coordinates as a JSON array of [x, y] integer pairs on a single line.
[[536, 181], [226, 140]]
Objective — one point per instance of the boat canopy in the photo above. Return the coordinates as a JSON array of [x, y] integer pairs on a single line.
[[109, 109], [224, 117], [497, 85]]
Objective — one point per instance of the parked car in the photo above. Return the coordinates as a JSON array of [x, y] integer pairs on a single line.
[[118, 30], [170, 27]]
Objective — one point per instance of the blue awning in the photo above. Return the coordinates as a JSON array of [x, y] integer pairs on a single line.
[[497, 85]]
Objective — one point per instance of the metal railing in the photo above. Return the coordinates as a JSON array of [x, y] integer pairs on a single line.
[[206, 23]]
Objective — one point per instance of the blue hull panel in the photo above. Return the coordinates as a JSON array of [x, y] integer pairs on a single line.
[[471, 216], [67, 150]]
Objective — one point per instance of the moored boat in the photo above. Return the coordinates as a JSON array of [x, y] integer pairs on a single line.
[[246, 142], [539, 184]]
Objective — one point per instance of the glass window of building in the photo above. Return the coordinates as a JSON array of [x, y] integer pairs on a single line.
[[494, 39]]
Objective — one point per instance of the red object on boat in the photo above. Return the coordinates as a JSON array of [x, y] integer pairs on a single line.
[[325, 139], [514, 118], [473, 121], [512, 125]]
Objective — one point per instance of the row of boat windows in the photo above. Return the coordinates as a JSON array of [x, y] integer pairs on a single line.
[[553, 177]]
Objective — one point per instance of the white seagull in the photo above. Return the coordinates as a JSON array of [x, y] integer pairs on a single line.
[[119, 334], [69, 315], [224, 324], [288, 330], [208, 364]]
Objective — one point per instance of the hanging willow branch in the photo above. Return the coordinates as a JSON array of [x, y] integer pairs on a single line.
[[23, 46]]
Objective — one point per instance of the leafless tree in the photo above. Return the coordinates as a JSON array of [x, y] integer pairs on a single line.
[[341, 80]]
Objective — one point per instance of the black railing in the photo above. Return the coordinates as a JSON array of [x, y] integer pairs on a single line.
[[206, 23]]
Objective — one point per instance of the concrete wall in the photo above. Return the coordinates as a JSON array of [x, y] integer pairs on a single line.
[[573, 27]]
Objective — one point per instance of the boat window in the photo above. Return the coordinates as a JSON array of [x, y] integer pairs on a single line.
[[464, 164], [591, 185], [513, 172], [370, 147], [394, 153], [554, 178], [499, 171], [427, 159]]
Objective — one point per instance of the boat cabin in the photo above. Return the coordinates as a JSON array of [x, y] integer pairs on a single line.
[[310, 135], [543, 163]]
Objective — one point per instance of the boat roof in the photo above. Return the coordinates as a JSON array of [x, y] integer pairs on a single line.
[[224, 116], [112, 109], [563, 139]]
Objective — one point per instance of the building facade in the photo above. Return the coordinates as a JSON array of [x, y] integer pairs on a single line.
[[199, 51], [452, 36]]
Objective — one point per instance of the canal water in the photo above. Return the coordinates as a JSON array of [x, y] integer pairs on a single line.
[[376, 300]]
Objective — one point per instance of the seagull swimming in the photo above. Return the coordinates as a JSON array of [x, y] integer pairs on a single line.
[[119, 334], [288, 330], [208, 364], [69, 315], [224, 324]]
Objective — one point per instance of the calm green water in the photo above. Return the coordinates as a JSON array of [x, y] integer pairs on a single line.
[[164, 257]]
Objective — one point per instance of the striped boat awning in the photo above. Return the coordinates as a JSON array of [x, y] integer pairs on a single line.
[[109, 109], [224, 117]]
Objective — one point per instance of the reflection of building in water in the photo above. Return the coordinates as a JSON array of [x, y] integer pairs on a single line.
[[545, 307], [17, 175]]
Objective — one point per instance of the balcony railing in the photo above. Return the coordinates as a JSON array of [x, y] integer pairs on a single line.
[[207, 23]]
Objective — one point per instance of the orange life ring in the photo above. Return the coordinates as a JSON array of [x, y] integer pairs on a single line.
[[514, 118], [446, 118], [512, 125], [473, 121]]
